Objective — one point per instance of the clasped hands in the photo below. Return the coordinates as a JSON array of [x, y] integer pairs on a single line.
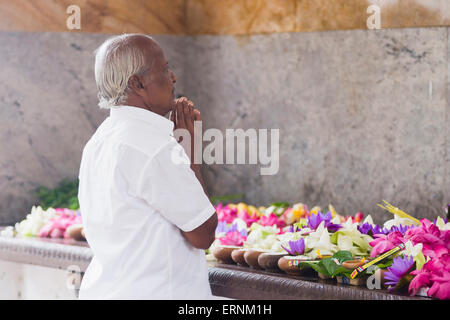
[[183, 117]]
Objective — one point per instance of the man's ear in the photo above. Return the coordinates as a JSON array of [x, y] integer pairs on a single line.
[[135, 84]]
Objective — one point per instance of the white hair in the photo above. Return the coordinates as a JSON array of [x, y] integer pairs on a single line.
[[116, 60]]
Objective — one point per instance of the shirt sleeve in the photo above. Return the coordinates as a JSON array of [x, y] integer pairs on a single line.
[[169, 185]]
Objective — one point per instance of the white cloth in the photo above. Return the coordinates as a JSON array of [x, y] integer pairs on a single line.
[[133, 201]]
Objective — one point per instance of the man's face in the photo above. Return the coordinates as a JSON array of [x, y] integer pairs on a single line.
[[159, 84]]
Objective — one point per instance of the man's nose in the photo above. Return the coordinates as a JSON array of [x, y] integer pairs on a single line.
[[174, 77]]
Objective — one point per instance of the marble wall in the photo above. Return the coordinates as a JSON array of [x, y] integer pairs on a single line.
[[363, 115], [48, 110]]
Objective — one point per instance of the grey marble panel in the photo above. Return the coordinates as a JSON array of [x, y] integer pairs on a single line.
[[48, 110], [361, 114], [447, 130]]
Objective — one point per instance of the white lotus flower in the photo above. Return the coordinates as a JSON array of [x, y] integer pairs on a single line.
[[368, 220], [349, 226], [416, 253], [320, 240], [241, 224], [8, 232], [344, 242], [442, 225], [336, 220], [283, 240], [261, 237], [34, 221], [398, 221], [412, 250]]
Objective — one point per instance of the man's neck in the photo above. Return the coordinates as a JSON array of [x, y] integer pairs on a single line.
[[139, 104]]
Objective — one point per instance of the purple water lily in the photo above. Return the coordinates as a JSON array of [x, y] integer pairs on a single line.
[[367, 228], [243, 232], [401, 266], [223, 227], [296, 247], [315, 220], [333, 227], [232, 228], [371, 230], [401, 228]]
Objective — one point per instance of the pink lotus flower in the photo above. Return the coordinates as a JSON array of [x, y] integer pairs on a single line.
[[233, 238], [226, 214], [271, 220], [435, 242], [385, 243], [56, 227], [247, 218], [436, 273]]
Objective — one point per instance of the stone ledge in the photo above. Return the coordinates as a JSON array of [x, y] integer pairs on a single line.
[[59, 254], [243, 283], [226, 280]]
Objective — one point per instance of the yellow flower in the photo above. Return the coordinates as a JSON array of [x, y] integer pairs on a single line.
[[253, 210], [242, 207], [315, 210], [333, 211]]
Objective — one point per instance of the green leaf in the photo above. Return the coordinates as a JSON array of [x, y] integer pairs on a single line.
[[333, 269], [65, 195], [226, 198], [403, 283], [329, 265], [312, 264], [342, 256], [277, 208], [385, 264], [280, 204], [265, 233], [334, 237]]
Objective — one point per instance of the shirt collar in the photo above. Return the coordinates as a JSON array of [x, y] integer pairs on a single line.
[[155, 120]]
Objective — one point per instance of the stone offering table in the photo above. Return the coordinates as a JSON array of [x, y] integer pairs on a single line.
[[66, 258]]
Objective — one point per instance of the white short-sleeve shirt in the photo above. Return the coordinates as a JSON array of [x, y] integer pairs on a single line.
[[134, 199]]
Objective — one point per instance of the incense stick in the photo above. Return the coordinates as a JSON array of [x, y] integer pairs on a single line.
[[396, 211]]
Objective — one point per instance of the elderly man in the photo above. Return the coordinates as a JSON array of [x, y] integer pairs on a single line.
[[146, 217]]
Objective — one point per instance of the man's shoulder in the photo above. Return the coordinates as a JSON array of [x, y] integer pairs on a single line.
[[144, 138], [129, 135]]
